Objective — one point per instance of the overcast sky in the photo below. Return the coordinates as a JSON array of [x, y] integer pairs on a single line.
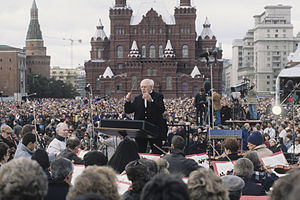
[[77, 19]]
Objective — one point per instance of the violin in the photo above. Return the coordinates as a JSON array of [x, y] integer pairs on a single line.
[[282, 169]]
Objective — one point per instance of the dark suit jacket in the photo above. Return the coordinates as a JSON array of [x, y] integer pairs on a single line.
[[153, 112], [199, 101], [253, 189]]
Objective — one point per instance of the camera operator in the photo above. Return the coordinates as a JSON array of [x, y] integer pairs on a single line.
[[238, 112], [252, 101]]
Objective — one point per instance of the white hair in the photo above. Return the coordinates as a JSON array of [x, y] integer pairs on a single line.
[[60, 125], [150, 82]]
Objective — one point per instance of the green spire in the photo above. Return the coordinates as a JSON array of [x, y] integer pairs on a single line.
[[34, 31]]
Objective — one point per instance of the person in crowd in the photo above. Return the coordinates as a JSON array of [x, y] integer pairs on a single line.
[[243, 168], [282, 132], [97, 180], [245, 134], [171, 135], [162, 166], [273, 145], [261, 174], [237, 111], [85, 142], [280, 145], [148, 106], [231, 147], [139, 175], [15, 177], [151, 164], [200, 104], [41, 156], [234, 186], [255, 143], [72, 148], [252, 101], [266, 139], [59, 142], [270, 131], [225, 113], [288, 141], [126, 151], [27, 128], [287, 187], [5, 137], [27, 147], [205, 184], [178, 163], [17, 128], [194, 144], [61, 171], [165, 186], [4, 154], [295, 148], [94, 158], [217, 107]]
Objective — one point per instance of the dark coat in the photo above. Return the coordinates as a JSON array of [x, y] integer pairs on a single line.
[[57, 190], [153, 112], [232, 156], [179, 164], [200, 101], [71, 156], [130, 195], [253, 189]]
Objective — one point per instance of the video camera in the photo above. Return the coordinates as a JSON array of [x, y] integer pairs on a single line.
[[242, 88]]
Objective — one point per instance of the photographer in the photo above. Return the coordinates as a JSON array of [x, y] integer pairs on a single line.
[[252, 101]]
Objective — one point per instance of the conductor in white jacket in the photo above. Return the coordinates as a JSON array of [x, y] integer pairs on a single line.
[[59, 142]]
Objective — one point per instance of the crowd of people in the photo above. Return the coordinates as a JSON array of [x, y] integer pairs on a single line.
[[40, 140]]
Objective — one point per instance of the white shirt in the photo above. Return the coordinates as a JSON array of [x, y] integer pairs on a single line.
[[297, 149], [282, 134], [56, 146], [271, 132]]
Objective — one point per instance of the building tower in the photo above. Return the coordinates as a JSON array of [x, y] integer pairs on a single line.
[[37, 62]]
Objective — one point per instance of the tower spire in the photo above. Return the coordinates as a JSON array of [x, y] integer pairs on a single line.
[[120, 3], [34, 31]]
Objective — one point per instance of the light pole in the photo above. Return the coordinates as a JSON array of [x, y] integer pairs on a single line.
[[72, 42]]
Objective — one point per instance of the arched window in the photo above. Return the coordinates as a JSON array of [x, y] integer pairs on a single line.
[[143, 51], [154, 72], [160, 51], [169, 83], [97, 84], [185, 51], [118, 87], [120, 51], [107, 90], [98, 53], [152, 51], [184, 87], [148, 72], [134, 82]]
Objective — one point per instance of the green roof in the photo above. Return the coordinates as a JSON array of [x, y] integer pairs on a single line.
[[34, 32], [2, 47]]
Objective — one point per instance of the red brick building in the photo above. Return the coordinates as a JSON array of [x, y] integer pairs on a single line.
[[152, 44]]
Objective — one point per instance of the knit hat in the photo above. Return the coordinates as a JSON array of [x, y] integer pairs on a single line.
[[255, 138], [233, 183], [94, 158]]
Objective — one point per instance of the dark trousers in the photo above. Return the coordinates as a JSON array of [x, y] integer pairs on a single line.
[[143, 142], [199, 113]]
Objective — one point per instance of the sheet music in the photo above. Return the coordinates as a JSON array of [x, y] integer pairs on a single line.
[[78, 169], [274, 159], [81, 153], [200, 157], [222, 167], [149, 156]]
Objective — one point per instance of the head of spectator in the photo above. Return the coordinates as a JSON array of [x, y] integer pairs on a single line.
[[253, 157], [29, 140], [27, 128], [151, 164], [205, 184], [162, 166], [254, 140], [165, 186], [287, 187], [41, 156], [178, 142], [234, 186], [126, 151], [231, 145], [289, 132], [247, 126], [6, 131], [288, 138], [4, 155], [243, 168], [62, 170], [62, 130], [73, 144], [266, 137], [272, 142], [97, 180], [94, 158], [297, 141], [138, 174], [15, 177]]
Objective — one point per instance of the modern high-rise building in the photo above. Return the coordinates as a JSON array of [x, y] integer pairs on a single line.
[[263, 51], [37, 61], [152, 43]]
